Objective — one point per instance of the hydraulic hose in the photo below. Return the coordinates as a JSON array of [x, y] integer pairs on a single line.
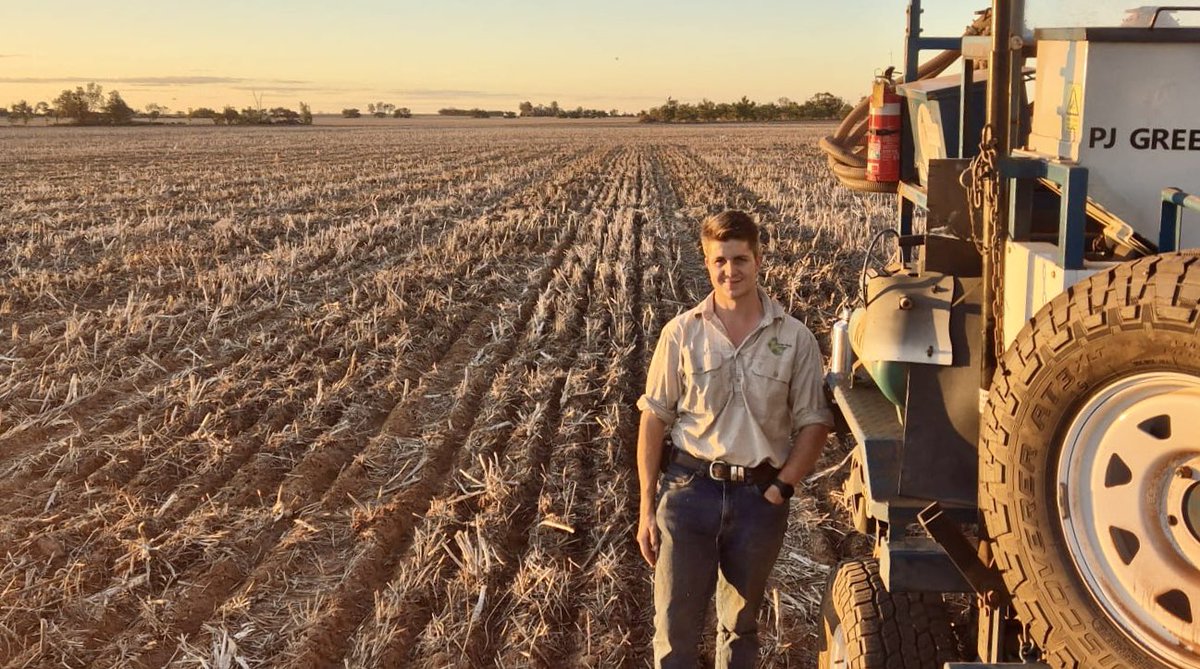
[[847, 171], [841, 153], [846, 146], [868, 186]]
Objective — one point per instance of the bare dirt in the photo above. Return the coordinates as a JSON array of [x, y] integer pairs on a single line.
[[364, 395]]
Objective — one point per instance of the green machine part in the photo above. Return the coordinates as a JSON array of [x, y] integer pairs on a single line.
[[891, 377]]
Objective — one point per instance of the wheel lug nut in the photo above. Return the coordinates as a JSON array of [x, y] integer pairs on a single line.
[[1172, 521], [1184, 472]]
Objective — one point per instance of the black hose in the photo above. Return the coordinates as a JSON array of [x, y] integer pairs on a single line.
[[866, 264]]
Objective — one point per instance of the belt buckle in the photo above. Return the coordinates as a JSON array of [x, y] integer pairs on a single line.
[[712, 474], [737, 473]]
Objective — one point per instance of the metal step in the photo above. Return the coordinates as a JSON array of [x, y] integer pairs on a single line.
[[876, 427], [918, 564], [902, 511]]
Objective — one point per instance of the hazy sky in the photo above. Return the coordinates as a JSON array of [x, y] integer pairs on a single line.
[[623, 54]]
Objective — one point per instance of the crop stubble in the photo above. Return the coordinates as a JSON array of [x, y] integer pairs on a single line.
[[364, 396]]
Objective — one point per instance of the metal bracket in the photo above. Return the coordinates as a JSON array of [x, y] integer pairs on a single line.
[[985, 580], [909, 319], [1174, 201]]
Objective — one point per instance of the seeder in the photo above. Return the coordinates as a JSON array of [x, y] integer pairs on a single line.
[[1022, 375]]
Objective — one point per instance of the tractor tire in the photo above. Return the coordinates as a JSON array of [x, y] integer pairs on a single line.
[[854, 498], [1090, 469], [866, 627]]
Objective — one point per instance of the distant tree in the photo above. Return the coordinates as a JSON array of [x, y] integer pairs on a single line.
[[253, 116], [42, 109], [80, 105], [116, 110], [203, 112], [525, 108], [825, 105], [282, 115], [351, 113], [381, 109], [21, 111], [744, 109], [305, 114], [154, 110], [402, 112], [230, 115]]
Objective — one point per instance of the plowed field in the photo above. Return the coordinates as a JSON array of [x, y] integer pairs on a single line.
[[364, 396]]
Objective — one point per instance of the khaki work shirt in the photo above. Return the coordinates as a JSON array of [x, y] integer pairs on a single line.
[[741, 405]]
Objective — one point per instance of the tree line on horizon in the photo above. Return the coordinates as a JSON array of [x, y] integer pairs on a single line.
[[379, 110], [87, 105], [84, 105], [552, 110], [822, 106]]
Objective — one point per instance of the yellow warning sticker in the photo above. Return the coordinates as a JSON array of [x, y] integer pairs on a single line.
[[1074, 103]]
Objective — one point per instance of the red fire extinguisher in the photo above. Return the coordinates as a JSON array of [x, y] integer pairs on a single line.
[[883, 138]]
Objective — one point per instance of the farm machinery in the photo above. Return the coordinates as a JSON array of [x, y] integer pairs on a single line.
[[1021, 374]]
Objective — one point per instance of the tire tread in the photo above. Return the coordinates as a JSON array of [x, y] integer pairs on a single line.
[[1147, 298]]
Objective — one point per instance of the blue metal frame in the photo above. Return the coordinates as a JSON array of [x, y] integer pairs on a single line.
[[914, 44], [1021, 173], [1174, 201]]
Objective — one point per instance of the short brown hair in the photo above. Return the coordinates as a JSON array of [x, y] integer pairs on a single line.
[[731, 224]]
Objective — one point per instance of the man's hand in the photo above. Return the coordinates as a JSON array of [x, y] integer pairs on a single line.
[[649, 457], [773, 496], [647, 536]]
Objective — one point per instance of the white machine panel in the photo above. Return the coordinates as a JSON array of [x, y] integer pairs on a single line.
[[1033, 277], [1129, 111]]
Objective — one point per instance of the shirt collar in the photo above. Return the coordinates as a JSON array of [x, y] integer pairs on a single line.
[[772, 310]]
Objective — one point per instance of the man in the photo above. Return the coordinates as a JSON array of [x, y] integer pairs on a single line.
[[737, 381]]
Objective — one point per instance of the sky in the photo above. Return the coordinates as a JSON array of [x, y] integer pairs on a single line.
[[616, 54]]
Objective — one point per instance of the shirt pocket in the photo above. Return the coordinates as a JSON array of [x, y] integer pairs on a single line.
[[708, 384], [768, 389]]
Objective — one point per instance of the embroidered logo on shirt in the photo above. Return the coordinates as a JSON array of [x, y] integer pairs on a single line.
[[776, 347]]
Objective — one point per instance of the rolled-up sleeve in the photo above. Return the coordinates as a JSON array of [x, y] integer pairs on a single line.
[[664, 380], [807, 393]]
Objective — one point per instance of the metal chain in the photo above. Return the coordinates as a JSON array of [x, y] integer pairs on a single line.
[[984, 194]]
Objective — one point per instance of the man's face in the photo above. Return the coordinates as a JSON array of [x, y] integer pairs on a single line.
[[732, 268]]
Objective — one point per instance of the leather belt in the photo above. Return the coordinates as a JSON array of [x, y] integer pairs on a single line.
[[719, 470]]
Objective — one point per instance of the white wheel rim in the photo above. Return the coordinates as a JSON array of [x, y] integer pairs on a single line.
[[837, 648], [1129, 474]]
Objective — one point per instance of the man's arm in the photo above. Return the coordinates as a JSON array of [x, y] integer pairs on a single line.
[[806, 450], [649, 459], [658, 404], [809, 410]]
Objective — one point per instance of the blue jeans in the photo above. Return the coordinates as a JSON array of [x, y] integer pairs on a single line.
[[713, 537]]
